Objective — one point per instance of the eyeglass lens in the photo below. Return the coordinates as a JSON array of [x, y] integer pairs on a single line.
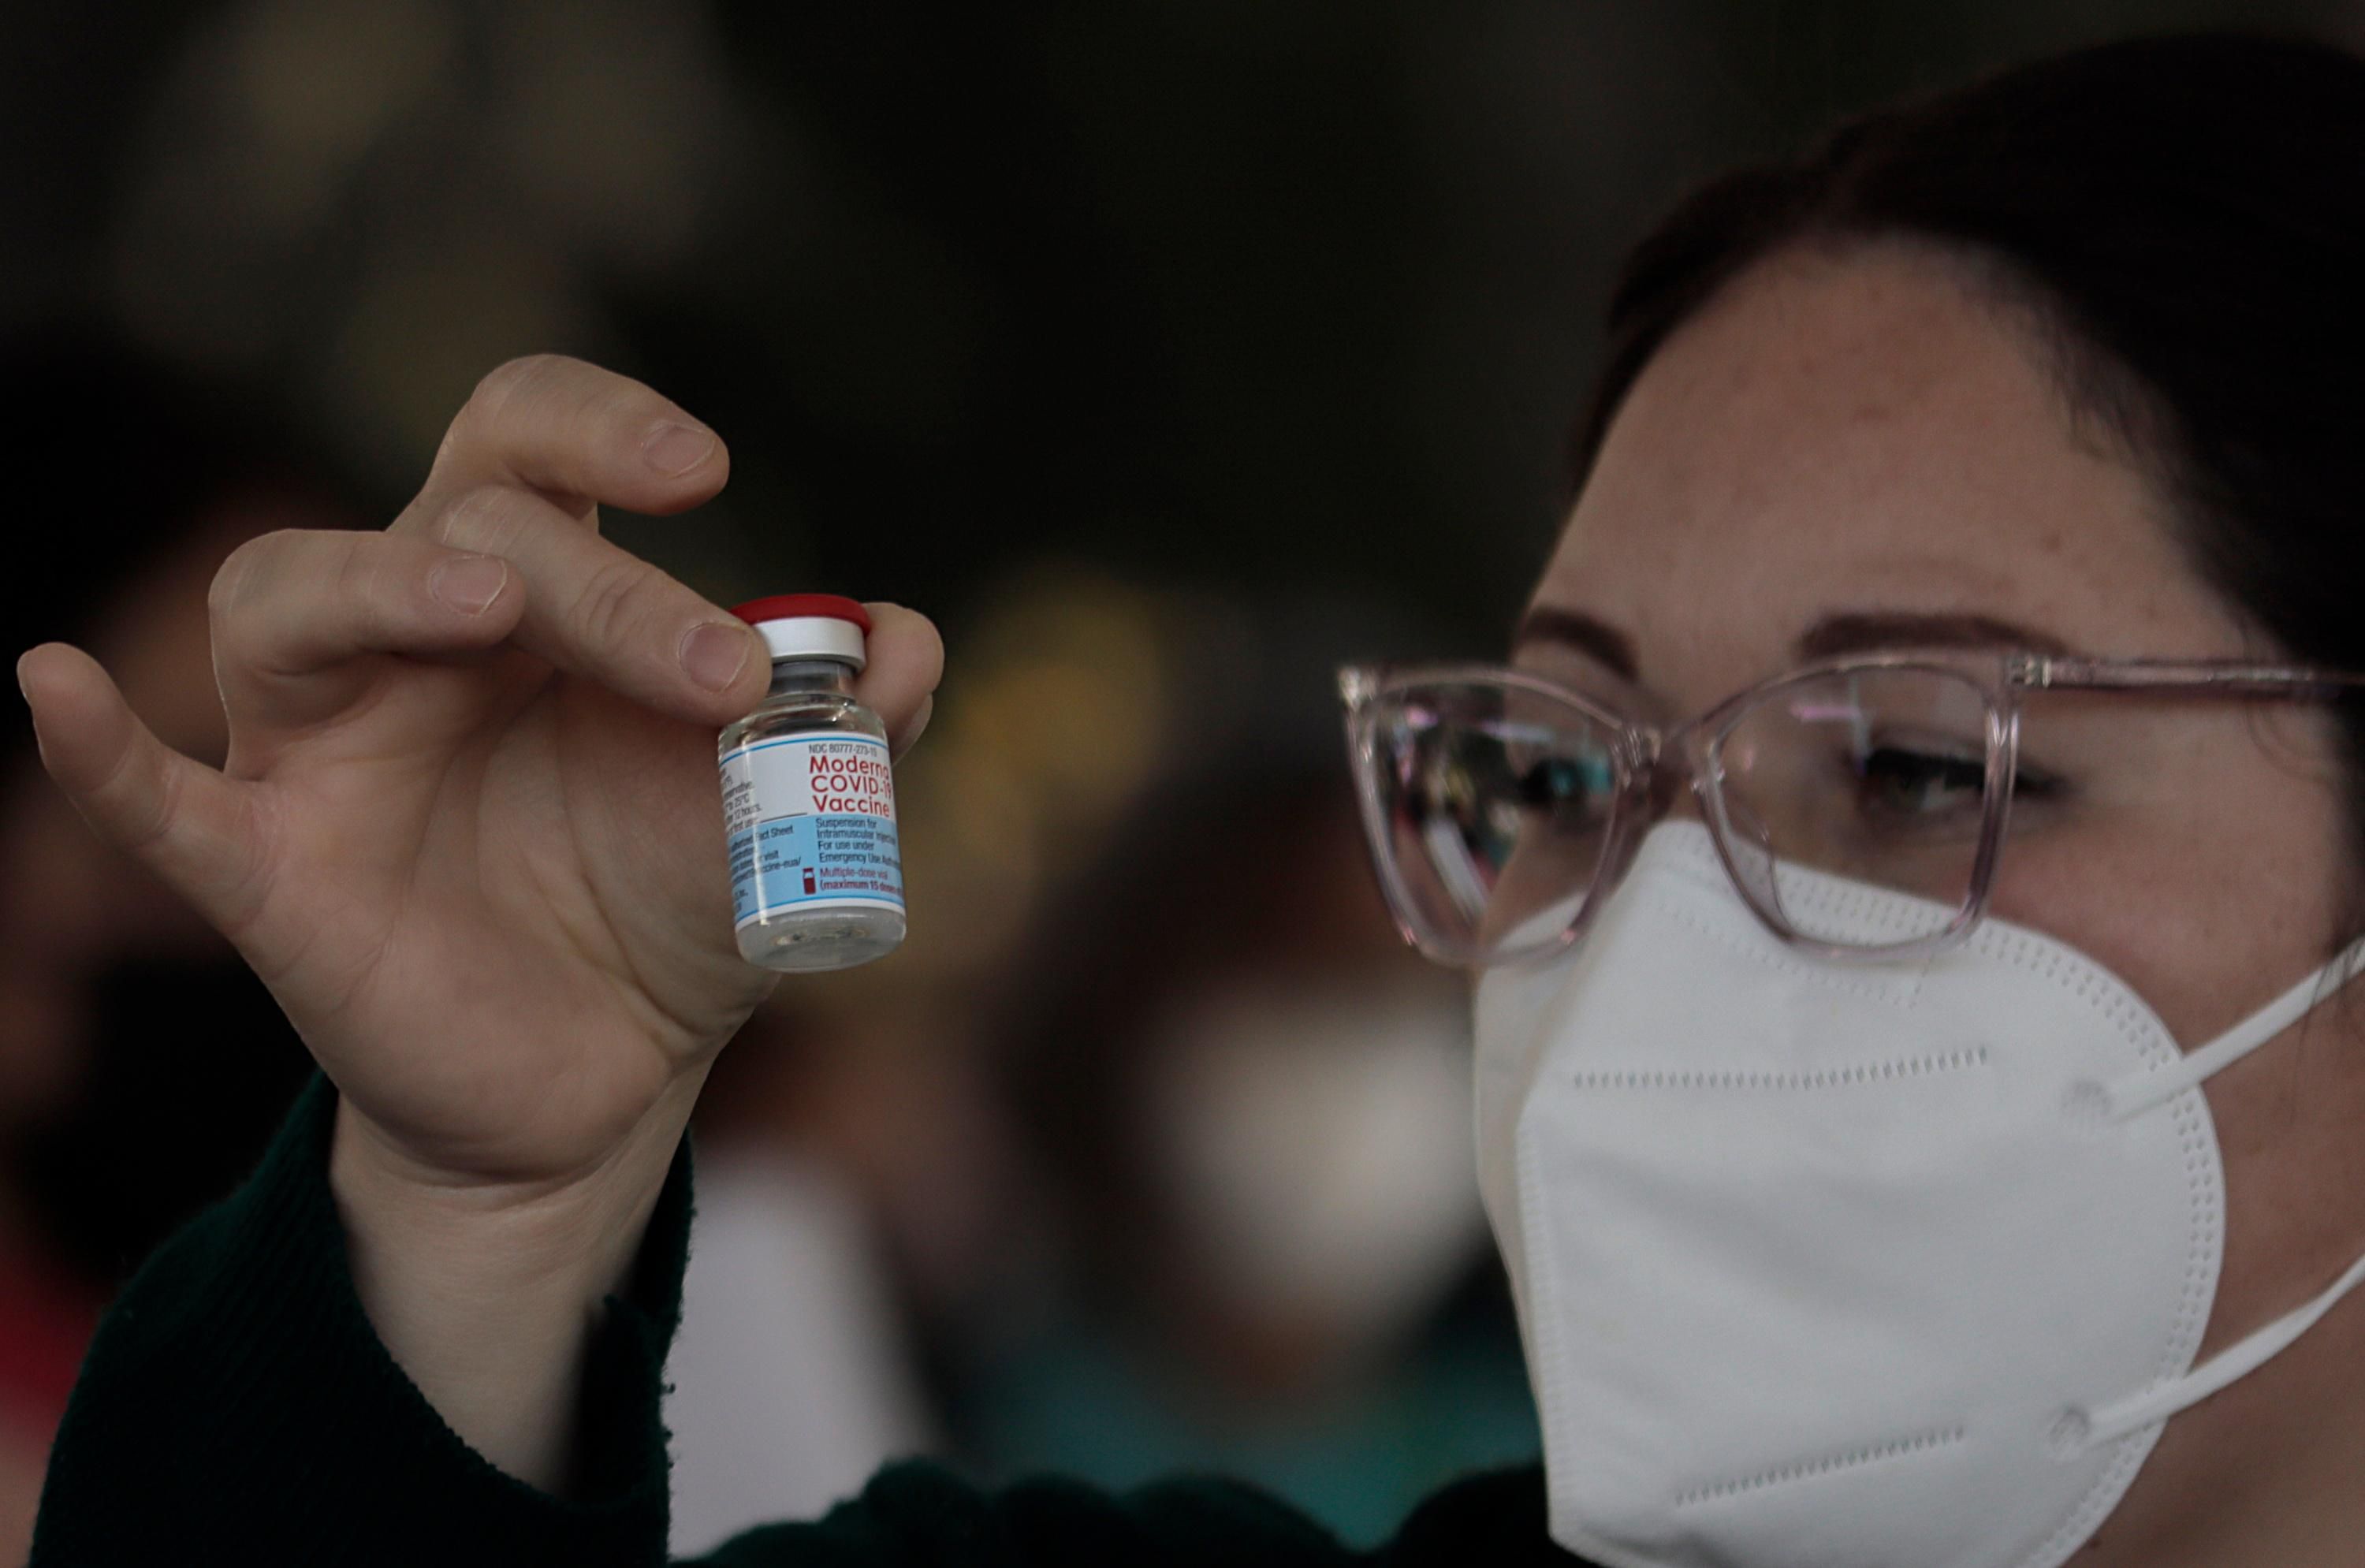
[[1493, 806], [1875, 776]]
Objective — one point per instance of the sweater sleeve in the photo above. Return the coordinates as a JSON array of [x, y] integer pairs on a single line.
[[237, 1405], [918, 1512]]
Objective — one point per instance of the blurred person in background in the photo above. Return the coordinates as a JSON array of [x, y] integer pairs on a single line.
[[1867, 1102], [846, 1138], [1029, 1201], [142, 1066], [1255, 1108]]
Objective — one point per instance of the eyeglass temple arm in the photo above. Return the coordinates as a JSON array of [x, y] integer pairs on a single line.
[[2050, 672]]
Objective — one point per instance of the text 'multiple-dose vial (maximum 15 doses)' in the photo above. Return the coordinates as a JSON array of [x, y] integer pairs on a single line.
[[808, 799]]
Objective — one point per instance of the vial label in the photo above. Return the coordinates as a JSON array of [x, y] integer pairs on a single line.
[[811, 820]]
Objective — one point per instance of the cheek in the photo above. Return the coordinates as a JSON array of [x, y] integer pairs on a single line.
[[2123, 904], [2207, 917]]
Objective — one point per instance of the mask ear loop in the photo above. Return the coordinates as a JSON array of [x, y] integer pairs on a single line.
[[2236, 1362], [2150, 1089], [2078, 1431]]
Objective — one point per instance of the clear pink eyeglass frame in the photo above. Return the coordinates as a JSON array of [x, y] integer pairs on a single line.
[[1653, 765]]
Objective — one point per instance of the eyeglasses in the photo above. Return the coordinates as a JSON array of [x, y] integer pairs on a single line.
[[1502, 807]]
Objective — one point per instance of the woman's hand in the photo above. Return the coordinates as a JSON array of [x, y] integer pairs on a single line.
[[469, 834]]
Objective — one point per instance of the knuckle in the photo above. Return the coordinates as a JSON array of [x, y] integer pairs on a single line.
[[238, 596], [510, 380], [150, 814], [234, 578], [503, 390], [133, 800], [356, 577], [612, 601], [486, 518]]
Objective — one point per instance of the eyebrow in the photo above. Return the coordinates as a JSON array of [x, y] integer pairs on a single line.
[[1848, 632], [1595, 639], [1858, 631]]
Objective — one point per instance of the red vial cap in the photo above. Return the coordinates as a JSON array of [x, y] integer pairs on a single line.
[[803, 607]]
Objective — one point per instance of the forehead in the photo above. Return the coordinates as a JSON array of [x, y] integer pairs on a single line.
[[1865, 431]]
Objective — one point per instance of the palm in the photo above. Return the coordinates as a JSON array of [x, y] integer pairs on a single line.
[[498, 909]]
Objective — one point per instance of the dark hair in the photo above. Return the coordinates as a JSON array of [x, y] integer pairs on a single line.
[[2187, 215]]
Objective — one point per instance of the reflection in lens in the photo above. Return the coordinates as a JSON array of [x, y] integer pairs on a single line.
[[1869, 777], [1496, 804], [1457, 869]]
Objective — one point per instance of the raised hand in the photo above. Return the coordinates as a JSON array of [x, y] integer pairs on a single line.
[[468, 830]]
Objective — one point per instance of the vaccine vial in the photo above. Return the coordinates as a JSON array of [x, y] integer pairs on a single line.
[[807, 802]]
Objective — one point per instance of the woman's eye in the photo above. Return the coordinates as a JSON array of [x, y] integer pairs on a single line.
[[1903, 782], [1918, 783]]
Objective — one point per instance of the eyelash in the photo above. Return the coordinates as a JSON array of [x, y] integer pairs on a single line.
[[2028, 782]]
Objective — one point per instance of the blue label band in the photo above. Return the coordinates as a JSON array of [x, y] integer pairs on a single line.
[[811, 825]]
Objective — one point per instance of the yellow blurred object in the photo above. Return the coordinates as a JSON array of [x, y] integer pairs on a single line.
[[1057, 710]]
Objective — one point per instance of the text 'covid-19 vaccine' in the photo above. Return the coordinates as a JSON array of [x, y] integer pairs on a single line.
[[808, 799]]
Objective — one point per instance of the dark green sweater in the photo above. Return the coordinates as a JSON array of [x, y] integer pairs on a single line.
[[237, 1407]]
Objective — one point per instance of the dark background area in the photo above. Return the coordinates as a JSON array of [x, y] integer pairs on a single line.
[[1274, 297]]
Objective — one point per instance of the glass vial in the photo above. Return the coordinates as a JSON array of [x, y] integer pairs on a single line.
[[808, 801]]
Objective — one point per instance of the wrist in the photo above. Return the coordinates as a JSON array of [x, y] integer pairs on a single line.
[[580, 1223], [486, 1294]]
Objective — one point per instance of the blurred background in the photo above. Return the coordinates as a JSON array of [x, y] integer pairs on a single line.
[[1166, 353]]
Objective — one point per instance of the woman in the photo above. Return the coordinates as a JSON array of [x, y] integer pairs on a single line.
[[1909, 1146]]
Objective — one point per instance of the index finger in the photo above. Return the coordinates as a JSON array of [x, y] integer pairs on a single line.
[[581, 435]]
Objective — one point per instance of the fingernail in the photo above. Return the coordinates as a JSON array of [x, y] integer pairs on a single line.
[[469, 583], [677, 449], [714, 654]]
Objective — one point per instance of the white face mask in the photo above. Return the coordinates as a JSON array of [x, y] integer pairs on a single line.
[[1318, 1144], [1848, 1266]]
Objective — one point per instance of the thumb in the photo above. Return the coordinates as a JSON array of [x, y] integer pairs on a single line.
[[189, 825]]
